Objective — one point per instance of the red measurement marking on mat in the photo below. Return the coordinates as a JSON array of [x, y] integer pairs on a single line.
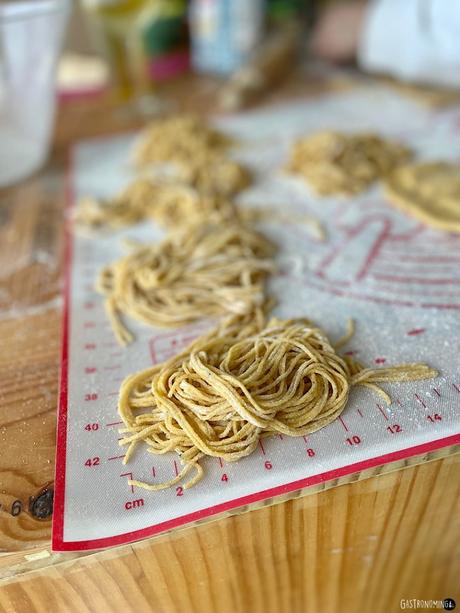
[[343, 424], [116, 457], [420, 280], [353, 440], [456, 387], [134, 504], [91, 462], [114, 423], [89, 324], [416, 331], [90, 369], [350, 352], [420, 400], [310, 452], [382, 412], [398, 402], [92, 427], [165, 345], [359, 412], [153, 471], [380, 360], [88, 305], [262, 447], [436, 392], [130, 475]]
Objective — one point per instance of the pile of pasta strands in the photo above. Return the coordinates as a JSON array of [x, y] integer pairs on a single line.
[[201, 270], [197, 152], [339, 163], [167, 203], [246, 380], [178, 138]]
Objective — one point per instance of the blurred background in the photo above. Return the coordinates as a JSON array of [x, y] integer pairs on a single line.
[[251, 45], [145, 57], [134, 45]]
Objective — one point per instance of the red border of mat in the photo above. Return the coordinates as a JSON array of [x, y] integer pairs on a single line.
[[58, 543]]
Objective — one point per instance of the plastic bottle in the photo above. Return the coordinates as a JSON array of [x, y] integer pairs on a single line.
[[224, 33]]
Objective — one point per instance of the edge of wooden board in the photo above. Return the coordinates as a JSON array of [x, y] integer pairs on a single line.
[[15, 565]]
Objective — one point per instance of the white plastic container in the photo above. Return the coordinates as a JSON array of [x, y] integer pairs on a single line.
[[224, 32], [31, 34]]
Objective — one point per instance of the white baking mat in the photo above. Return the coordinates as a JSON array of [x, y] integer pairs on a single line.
[[398, 280]]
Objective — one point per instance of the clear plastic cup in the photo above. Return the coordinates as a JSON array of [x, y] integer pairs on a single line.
[[31, 34]]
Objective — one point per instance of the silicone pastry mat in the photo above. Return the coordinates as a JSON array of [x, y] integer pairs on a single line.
[[399, 281]]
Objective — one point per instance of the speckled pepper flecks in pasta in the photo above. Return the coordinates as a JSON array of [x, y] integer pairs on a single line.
[[245, 380], [202, 270], [339, 163], [429, 191]]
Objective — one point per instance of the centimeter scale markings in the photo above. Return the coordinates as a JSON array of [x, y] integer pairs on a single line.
[[97, 507]]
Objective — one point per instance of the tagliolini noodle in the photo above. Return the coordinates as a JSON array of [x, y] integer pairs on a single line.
[[430, 191], [168, 204], [173, 204], [201, 270], [214, 174], [178, 138], [198, 154], [339, 163], [243, 381]]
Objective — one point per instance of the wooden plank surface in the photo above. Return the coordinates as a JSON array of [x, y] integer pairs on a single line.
[[395, 534]]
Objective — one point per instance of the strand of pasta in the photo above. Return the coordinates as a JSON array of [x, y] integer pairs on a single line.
[[245, 380], [172, 204], [342, 163], [207, 269]]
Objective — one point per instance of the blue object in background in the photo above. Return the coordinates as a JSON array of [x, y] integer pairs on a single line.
[[224, 32]]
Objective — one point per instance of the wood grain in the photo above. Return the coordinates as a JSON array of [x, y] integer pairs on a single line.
[[358, 547], [29, 347], [22, 562]]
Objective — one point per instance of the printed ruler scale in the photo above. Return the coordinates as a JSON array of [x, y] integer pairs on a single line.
[[398, 280]]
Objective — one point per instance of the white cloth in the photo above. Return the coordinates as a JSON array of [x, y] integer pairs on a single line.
[[415, 40]]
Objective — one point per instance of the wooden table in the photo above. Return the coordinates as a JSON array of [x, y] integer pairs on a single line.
[[359, 547]]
